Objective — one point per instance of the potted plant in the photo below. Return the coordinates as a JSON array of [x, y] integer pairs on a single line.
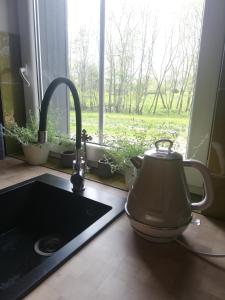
[[62, 142], [120, 151], [104, 169], [35, 153], [122, 148], [67, 153]]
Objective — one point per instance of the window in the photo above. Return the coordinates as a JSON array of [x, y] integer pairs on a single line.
[[83, 40], [144, 54], [150, 51]]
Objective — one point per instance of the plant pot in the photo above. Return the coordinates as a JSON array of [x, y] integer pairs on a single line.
[[104, 169], [36, 154], [67, 158]]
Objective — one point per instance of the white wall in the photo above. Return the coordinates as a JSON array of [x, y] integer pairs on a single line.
[[8, 16]]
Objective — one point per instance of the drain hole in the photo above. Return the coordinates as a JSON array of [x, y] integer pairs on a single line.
[[48, 245]]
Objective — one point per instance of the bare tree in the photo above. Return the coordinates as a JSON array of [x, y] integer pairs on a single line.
[[119, 57], [137, 78], [170, 51], [144, 73]]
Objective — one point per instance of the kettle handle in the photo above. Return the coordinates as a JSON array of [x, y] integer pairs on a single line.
[[209, 194]]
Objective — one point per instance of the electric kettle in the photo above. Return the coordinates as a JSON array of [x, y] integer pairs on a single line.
[[159, 204]]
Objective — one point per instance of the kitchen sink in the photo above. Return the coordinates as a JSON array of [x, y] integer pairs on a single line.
[[42, 224]]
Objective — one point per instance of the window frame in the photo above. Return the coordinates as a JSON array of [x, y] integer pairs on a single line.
[[210, 58], [101, 70]]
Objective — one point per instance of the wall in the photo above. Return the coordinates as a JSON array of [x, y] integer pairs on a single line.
[[11, 86], [8, 17], [217, 151]]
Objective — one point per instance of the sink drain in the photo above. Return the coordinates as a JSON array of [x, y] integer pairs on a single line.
[[48, 245]]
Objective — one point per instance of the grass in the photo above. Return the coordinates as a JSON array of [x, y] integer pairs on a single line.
[[172, 126]]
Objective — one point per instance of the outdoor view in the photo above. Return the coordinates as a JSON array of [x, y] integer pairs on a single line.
[[151, 55]]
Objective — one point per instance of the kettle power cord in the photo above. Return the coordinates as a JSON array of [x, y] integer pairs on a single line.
[[199, 252], [198, 223]]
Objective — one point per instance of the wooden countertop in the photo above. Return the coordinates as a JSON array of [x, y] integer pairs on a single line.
[[118, 264]]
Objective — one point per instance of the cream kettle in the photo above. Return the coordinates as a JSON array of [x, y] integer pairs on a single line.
[[159, 204]]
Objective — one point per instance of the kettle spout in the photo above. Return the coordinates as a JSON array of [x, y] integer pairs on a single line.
[[136, 161]]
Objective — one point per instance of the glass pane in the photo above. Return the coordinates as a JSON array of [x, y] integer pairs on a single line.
[[83, 52], [150, 67], [52, 42]]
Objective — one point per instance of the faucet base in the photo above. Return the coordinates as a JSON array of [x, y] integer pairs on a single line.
[[78, 183]]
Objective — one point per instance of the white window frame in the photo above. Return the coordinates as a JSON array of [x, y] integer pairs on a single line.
[[28, 54], [206, 87], [101, 70], [209, 65]]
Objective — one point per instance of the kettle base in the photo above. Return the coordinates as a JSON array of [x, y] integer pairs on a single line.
[[154, 239], [156, 234]]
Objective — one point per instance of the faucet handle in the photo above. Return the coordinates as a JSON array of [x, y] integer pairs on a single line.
[[85, 137]]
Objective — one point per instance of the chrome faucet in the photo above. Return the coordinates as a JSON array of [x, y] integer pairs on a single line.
[[77, 178]]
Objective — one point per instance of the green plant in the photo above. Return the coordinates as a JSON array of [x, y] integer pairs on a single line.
[[29, 134], [121, 149], [65, 140]]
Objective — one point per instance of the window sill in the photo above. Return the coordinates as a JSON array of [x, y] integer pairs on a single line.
[[116, 181]]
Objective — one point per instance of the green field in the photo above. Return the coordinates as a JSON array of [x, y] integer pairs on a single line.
[[127, 125]]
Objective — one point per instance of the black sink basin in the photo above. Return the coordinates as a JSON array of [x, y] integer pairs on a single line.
[[42, 224]]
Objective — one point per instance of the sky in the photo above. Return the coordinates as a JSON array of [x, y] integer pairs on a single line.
[[85, 13]]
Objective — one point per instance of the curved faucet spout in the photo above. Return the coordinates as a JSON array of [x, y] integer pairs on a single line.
[[77, 177], [42, 134]]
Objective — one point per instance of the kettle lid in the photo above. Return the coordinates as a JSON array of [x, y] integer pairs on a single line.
[[164, 153]]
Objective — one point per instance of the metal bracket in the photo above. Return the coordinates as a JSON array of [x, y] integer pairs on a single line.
[[24, 75]]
